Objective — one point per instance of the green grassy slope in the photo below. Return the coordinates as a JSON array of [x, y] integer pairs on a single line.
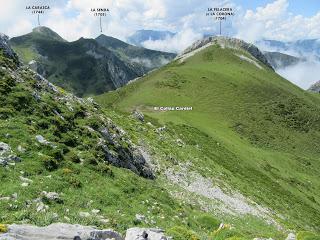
[[73, 163], [73, 160], [268, 128], [76, 163]]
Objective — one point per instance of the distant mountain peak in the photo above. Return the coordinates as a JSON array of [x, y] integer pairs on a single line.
[[112, 42], [302, 47], [281, 60], [47, 32]]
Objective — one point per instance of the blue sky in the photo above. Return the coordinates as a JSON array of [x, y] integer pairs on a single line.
[[306, 8], [285, 20]]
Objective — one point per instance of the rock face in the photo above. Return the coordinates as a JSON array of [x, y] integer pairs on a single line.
[[229, 43], [315, 87], [37, 67], [58, 231], [78, 232], [126, 157], [7, 50], [138, 115], [145, 234], [291, 236], [6, 155]]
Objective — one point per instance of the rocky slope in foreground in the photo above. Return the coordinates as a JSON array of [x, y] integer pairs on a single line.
[[78, 232], [45, 130], [68, 119]]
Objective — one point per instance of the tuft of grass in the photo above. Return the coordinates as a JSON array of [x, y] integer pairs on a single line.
[[181, 233], [3, 228]]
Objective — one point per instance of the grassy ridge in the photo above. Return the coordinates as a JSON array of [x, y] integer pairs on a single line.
[[269, 126]]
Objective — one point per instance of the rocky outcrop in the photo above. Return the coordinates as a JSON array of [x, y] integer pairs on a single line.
[[6, 155], [78, 232], [126, 157], [58, 231], [138, 115], [5, 47], [37, 67], [315, 87], [291, 236], [145, 234], [229, 43]]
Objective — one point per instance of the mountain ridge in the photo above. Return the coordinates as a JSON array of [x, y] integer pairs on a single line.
[[281, 60], [302, 47], [147, 59], [65, 63], [82, 66]]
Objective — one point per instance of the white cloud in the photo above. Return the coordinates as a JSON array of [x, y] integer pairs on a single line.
[[177, 43], [303, 74], [273, 21], [269, 12], [12, 23], [22, 26], [7, 8], [72, 19]]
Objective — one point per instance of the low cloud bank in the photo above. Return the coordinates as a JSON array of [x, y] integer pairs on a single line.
[[176, 43], [303, 74]]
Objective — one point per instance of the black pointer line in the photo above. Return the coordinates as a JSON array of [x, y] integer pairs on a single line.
[[100, 24]]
